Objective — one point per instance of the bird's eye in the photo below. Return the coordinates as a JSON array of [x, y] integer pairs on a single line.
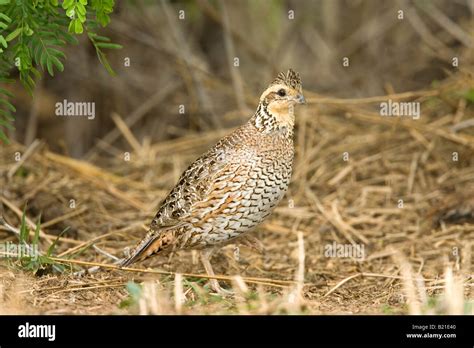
[[282, 92]]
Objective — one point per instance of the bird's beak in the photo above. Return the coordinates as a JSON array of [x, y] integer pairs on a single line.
[[300, 99]]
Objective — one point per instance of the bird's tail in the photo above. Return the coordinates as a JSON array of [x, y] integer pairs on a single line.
[[153, 243]]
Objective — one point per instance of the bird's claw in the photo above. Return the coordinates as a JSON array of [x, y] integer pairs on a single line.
[[220, 291]]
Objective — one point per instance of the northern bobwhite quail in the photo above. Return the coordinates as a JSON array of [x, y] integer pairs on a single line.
[[234, 186]]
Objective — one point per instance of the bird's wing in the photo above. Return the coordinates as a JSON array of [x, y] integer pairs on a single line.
[[193, 186]]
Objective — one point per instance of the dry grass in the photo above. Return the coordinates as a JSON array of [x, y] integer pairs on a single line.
[[413, 254]]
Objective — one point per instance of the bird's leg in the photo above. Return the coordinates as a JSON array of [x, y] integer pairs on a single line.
[[205, 256], [170, 256], [253, 243]]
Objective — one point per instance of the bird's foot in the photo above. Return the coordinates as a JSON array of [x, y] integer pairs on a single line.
[[217, 288]]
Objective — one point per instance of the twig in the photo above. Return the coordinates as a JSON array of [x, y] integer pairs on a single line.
[[29, 151], [106, 254], [100, 178], [342, 282], [301, 258], [420, 27], [336, 220], [444, 21], [462, 125], [32, 124], [89, 170], [127, 133], [375, 118], [409, 286], [411, 175], [317, 99], [273, 282], [137, 114]]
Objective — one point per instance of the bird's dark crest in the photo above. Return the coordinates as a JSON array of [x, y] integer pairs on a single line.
[[291, 79]]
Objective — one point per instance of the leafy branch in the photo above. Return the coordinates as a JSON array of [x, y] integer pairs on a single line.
[[33, 34]]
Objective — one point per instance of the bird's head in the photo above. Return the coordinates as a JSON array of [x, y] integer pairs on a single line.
[[278, 100], [284, 91]]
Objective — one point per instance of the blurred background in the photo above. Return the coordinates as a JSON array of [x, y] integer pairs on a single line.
[[190, 71], [183, 53]]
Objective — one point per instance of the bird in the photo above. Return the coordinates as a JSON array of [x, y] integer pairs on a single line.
[[229, 190]]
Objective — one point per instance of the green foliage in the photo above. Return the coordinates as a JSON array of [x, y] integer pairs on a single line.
[[31, 259], [33, 34], [134, 294], [469, 95], [99, 43], [102, 10], [24, 231]]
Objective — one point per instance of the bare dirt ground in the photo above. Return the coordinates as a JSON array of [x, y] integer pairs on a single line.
[[400, 190]]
